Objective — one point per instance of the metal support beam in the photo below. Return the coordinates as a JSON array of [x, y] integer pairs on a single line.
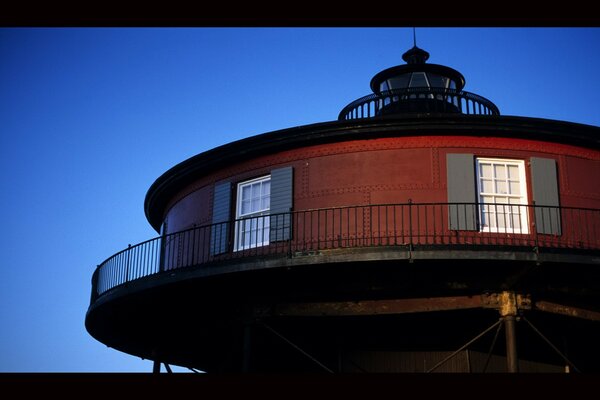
[[508, 306], [297, 348], [378, 307], [551, 345], [554, 308], [489, 356], [470, 342], [156, 367]]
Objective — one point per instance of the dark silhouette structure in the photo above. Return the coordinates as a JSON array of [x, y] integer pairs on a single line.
[[420, 232]]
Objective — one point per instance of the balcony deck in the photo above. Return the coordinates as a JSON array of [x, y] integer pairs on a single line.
[[360, 234]]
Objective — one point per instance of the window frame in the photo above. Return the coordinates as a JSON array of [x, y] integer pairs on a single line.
[[524, 219], [240, 218]]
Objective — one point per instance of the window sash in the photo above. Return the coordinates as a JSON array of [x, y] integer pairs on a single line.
[[252, 227], [502, 194]]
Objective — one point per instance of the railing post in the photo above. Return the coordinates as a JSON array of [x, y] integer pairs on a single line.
[[536, 248], [410, 232], [291, 235]]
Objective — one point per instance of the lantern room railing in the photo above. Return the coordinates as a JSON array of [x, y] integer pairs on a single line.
[[418, 100], [410, 226]]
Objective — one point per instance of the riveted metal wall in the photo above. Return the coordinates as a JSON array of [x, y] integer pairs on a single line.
[[392, 170]]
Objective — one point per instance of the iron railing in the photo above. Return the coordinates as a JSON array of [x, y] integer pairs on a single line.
[[410, 225], [427, 100]]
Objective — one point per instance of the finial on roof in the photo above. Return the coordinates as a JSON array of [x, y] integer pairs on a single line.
[[415, 55], [414, 37]]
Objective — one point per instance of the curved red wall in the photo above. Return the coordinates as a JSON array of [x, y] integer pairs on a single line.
[[388, 170]]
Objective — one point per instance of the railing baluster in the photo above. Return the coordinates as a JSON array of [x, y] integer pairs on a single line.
[[410, 229], [434, 225], [421, 235], [426, 225], [347, 225], [371, 224], [395, 230], [403, 226], [594, 218], [580, 224], [379, 236], [341, 234], [356, 226], [387, 230]]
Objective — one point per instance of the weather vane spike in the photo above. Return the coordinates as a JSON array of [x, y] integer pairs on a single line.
[[414, 36]]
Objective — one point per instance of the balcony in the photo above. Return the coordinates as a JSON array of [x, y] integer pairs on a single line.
[[418, 100], [408, 231]]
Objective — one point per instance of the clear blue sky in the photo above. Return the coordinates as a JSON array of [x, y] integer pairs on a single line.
[[89, 118]]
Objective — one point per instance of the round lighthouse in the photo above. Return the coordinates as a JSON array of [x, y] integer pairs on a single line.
[[421, 231]]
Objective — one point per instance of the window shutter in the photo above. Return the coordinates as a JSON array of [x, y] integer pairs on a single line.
[[219, 233], [461, 189], [544, 186], [281, 204]]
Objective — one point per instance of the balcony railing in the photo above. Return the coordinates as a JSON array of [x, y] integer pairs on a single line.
[[424, 100], [412, 226]]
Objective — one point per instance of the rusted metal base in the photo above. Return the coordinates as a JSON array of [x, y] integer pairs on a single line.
[[570, 311], [510, 306], [507, 303], [377, 307]]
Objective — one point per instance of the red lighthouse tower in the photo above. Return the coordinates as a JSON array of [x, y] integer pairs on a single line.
[[422, 231]]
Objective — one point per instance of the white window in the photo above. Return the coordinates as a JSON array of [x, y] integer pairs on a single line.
[[252, 208], [502, 191]]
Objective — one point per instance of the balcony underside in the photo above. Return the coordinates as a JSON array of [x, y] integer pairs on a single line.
[[195, 316]]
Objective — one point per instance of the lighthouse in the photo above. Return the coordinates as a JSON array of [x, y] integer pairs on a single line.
[[420, 231]]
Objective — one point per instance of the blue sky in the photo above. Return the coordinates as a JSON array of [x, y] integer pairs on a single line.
[[90, 117]]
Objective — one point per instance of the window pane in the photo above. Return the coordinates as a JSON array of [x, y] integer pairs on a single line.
[[487, 199], [486, 186], [437, 80], [490, 220], [399, 82], [246, 192], [265, 204], [513, 172], [418, 80], [500, 171], [246, 207], [516, 221], [486, 170], [501, 200], [501, 187], [501, 220], [515, 187], [255, 190], [266, 188], [255, 204], [484, 218]]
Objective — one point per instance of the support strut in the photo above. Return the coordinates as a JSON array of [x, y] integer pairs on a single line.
[[512, 361], [508, 311]]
